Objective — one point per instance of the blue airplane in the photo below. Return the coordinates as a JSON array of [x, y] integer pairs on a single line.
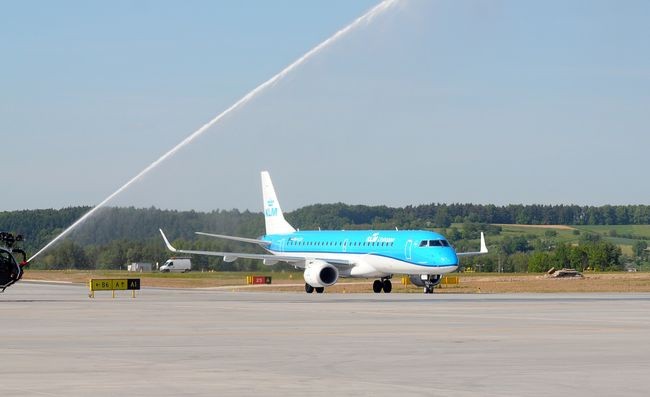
[[327, 255]]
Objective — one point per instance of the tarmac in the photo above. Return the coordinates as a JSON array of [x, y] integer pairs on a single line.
[[56, 341]]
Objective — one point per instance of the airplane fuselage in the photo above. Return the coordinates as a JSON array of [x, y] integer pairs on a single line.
[[375, 253]]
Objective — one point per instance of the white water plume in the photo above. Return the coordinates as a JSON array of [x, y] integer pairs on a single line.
[[365, 18]]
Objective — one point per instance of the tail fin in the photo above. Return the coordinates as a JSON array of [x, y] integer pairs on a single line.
[[275, 222]]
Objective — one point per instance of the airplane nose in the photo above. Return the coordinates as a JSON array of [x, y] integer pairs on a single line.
[[449, 258]]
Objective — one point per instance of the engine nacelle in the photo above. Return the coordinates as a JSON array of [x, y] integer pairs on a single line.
[[422, 280], [320, 273]]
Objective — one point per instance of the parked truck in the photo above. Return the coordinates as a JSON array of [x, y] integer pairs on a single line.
[[177, 265]]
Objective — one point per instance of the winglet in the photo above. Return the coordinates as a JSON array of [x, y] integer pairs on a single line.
[[169, 246], [484, 249]]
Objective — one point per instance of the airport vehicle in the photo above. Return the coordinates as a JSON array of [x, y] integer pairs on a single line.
[[10, 269], [328, 255], [177, 265]]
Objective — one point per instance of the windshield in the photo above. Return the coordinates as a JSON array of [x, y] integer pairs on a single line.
[[434, 243]]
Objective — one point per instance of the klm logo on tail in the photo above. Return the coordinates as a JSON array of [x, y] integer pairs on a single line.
[[273, 218], [271, 210]]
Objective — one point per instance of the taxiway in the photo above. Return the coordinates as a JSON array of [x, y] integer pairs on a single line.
[[169, 342]]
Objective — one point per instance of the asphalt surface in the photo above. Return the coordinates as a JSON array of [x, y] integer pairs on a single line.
[[58, 342]]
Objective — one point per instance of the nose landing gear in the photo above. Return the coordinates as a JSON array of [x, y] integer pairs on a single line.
[[427, 281]]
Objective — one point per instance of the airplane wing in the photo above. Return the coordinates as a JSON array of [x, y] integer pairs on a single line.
[[243, 239], [483, 250], [267, 258]]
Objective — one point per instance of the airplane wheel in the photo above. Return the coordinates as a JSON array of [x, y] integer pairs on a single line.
[[320, 290], [388, 286], [428, 290], [308, 288], [377, 286]]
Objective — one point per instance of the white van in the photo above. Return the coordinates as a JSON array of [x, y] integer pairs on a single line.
[[176, 265]]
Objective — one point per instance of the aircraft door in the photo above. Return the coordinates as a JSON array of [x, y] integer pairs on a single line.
[[345, 245], [407, 249]]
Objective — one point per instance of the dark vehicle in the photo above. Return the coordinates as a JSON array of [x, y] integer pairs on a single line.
[[10, 270]]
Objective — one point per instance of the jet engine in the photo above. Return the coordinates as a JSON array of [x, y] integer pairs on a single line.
[[319, 273]]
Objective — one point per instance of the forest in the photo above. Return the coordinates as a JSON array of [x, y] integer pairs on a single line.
[[116, 236]]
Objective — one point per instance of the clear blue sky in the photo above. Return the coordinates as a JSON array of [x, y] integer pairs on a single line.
[[434, 101]]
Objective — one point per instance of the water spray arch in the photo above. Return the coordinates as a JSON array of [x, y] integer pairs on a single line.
[[364, 19]]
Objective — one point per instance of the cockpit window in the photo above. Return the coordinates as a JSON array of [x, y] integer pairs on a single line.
[[434, 243]]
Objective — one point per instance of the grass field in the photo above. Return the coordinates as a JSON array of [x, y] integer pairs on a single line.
[[623, 236], [565, 234], [292, 281], [621, 230]]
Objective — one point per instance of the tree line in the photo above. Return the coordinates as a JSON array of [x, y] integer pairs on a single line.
[[442, 215], [117, 236]]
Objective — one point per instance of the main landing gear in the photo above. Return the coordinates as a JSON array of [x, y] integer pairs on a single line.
[[383, 284], [309, 289]]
